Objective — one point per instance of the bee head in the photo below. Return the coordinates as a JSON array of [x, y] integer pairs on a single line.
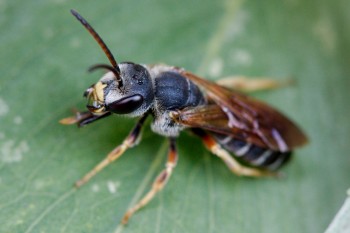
[[128, 90]]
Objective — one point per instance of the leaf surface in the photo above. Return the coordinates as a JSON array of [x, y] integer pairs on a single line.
[[44, 54]]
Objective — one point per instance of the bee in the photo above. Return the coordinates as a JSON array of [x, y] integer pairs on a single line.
[[252, 138]]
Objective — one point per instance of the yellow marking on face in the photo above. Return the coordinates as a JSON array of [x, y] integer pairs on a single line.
[[100, 110], [99, 86]]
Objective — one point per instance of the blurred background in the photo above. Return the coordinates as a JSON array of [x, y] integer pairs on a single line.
[[44, 54]]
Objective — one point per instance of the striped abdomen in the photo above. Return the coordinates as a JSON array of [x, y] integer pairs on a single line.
[[252, 154]]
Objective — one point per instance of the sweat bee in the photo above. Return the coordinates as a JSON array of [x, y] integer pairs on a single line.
[[252, 138]]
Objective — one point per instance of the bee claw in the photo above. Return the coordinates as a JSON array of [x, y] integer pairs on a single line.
[[69, 120], [125, 219]]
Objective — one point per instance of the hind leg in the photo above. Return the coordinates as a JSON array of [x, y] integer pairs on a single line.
[[236, 167], [242, 83]]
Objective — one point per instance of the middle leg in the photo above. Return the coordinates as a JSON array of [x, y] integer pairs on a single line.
[[158, 183]]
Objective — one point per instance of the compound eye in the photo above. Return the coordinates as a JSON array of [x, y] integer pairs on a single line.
[[126, 105]]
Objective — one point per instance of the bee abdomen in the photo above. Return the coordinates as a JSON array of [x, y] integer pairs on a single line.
[[253, 155]]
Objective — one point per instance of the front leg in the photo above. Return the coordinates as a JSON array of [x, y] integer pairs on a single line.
[[128, 142], [83, 118]]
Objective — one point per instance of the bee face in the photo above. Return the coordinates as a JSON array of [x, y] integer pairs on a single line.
[[95, 96], [132, 94]]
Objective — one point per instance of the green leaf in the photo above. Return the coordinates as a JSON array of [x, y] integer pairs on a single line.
[[44, 54]]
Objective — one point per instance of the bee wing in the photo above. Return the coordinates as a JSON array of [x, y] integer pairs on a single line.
[[241, 117], [212, 118]]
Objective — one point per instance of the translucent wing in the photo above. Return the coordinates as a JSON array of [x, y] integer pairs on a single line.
[[241, 117]]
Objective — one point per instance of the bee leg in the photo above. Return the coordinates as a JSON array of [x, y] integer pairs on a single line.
[[242, 83], [158, 183], [128, 142], [229, 160], [83, 118]]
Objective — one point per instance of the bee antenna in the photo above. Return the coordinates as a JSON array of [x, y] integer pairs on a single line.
[[110, 68], [98, 40]]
